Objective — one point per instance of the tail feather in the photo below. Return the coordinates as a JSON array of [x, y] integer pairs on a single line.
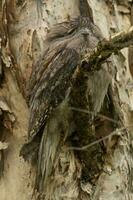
[[47, 155], [52, 139]]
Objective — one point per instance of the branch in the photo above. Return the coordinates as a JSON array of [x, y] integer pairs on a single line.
[[84, 148], [105, 48], [98, 114]]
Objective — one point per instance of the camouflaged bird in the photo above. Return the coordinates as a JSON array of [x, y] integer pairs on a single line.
[[56, 76]]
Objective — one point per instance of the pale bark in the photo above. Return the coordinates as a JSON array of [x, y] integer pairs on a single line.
[[23, 26]]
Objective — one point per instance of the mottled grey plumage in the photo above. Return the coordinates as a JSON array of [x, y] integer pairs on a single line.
[[52, 75], [50, 82]]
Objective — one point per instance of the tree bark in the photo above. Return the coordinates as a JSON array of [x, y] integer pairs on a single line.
[[23, 27]]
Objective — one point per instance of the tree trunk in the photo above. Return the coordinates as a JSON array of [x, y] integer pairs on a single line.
[[23, 28]]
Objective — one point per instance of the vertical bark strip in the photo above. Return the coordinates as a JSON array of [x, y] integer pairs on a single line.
[[23, 27]]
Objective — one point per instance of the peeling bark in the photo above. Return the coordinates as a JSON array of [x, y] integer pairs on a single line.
[[23, 27]]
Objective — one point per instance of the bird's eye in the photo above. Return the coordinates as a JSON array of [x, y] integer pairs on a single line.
[[85, 31]]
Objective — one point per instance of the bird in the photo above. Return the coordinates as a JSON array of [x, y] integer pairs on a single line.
[[58, 80]]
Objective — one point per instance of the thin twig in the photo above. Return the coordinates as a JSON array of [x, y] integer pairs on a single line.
[[83, 148], [92, 113]]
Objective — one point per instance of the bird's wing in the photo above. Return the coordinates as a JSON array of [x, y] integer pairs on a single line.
[[51, 87]]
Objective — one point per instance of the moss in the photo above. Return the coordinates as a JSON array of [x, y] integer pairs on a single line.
[[91, 158]]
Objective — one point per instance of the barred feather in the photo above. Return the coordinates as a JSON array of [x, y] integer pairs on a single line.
[[51, 79]]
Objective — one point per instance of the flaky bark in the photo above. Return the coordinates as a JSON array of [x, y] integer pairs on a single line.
[[23, 26]]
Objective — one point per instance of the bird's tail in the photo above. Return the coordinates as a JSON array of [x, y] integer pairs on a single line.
[[49, 147], [54, 135]]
